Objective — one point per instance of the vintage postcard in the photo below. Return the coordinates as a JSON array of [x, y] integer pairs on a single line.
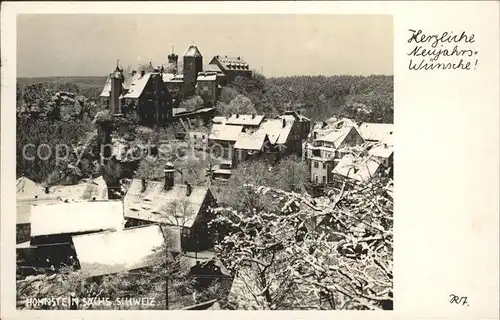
[[293, 156]]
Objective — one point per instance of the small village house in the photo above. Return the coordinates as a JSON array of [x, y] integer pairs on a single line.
[[111, 252], [305, 123], [53, 225], [284, 134], [222, 139], [327, 148], [205, 269], [384, 153], [182, 207], [30, 193], [253, 146]]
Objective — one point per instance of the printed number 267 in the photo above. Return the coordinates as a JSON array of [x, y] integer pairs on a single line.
[[458, 300]]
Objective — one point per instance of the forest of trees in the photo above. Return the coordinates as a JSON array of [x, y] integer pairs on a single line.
[[368, 99]]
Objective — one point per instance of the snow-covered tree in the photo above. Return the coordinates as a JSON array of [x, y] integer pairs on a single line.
[[311, 253]]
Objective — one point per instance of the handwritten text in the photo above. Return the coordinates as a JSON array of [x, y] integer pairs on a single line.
[[445, 51]]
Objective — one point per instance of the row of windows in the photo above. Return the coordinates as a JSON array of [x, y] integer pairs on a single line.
[[162, 116], [316, 178], [316, 164]]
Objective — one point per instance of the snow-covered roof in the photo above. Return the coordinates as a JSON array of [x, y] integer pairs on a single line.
[[358, 169], [225, 132], [74, 217], [245, 119], [112, 252], [381, 132]]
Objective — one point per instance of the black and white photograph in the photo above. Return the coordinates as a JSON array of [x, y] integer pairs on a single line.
[[204, 162]]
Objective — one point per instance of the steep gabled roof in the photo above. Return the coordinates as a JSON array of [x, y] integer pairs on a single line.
[[156, 204], [275, 131], [232, 63], [212, 68], [337, 136], [137, 86]]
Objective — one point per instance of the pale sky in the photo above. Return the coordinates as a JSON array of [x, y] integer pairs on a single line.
[[283, 45]]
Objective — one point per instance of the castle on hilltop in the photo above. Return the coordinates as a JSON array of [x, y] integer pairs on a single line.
[[153, 92]]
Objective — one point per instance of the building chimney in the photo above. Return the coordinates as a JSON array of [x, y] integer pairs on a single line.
[[189, 189], [143, 185], [143, 73], [47, 190], [237, 116], [253, 116], [93, 198], [169, 176], [284, 123]]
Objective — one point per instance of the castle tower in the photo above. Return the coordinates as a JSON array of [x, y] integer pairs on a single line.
[[193, 63], [117, 79], [172, 64]]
